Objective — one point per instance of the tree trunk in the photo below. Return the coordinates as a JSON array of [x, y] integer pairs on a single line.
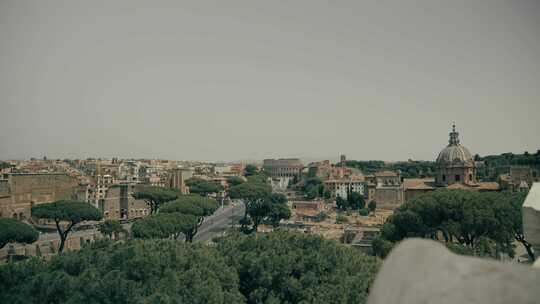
[[444, 234], [62, 242], [152, 206], [63, 234], [521, 238], [255, 225], [530, 252], [189, 237]]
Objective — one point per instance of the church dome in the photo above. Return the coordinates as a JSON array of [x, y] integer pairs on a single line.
[[455, 155]]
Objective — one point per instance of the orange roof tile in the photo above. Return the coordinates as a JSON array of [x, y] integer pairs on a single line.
[[386, 173], [419, 183]]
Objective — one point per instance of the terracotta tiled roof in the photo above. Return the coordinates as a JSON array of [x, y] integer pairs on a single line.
[[386, 173], [419, 183], [489, 186], [459, 186]]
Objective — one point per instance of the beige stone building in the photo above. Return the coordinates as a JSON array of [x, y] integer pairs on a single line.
[[283, 167], [417, 186], [519, 178], [119, 203], [341, 187], [20, 191], [178, 177], [385, 188], [325, 170]]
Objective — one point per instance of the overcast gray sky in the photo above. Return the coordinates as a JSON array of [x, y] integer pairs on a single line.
[[229, 80]]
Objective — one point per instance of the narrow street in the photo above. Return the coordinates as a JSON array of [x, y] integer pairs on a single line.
[[223, 218]]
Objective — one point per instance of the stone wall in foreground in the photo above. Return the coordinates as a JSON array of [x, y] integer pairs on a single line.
[[422, 271]]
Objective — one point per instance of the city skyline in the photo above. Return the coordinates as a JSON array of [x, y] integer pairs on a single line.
[[198, 81], [304, 159], [245, 151]]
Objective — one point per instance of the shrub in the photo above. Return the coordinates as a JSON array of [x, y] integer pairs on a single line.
[[341, 219], [363, 212]]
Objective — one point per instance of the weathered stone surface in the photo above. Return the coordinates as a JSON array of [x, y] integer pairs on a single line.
[[531, 217], [421, 271]]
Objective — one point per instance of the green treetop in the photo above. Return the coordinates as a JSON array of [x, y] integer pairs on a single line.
[[72, 212], [14, 231], [156, 196], [203, 187], [164, 226], [193, 205], [110, 228]]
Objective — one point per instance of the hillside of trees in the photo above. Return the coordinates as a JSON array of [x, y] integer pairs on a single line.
[[409, 169], [494, 165], [280, 267]]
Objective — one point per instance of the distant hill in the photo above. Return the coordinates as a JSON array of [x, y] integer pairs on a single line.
[[409, 169], [494, 165]]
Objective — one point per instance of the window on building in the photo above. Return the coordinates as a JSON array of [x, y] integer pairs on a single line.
[[444, 178], [470, 177], [458, 177]]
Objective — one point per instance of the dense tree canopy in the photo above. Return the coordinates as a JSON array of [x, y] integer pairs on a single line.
[[194, 206], [164, 226], [494, 165], [4, 165], [312, 187], [191, 204], [250, 191], [279, 267], [477, 220], [203, 187], [110, 228], [14, 231], [260, 178], [408, 169], [70, 212], [270, 210], [250, 170], [150, 271], [261, 205], [156, 196], [278, 211], [235, 180], [354, 201], [284, 267]]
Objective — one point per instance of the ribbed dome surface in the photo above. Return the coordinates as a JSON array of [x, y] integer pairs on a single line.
[[455, 154]]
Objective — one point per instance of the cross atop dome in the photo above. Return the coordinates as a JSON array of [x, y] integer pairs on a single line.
[[454, 136]]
